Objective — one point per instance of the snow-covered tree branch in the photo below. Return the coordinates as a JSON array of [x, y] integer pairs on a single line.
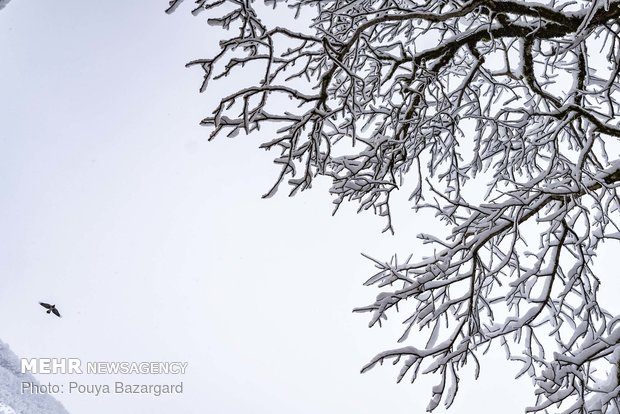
[[518, 100]]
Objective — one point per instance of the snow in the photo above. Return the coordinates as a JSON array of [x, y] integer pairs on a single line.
[[3, 3], [12, 401]]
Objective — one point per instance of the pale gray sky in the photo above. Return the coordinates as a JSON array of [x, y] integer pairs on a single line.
[[155, 244]]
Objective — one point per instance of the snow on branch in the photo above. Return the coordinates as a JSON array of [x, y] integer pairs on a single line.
[[510, 102]]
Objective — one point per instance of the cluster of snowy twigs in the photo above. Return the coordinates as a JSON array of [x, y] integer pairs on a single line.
[[521, 97]]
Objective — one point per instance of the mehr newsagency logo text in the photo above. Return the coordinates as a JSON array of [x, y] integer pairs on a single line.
[[76, 366]]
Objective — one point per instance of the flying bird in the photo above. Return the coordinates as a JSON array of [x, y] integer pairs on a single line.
[[50, 308]]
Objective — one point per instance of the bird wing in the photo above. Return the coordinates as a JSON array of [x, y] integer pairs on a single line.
[[45, 305], [55, 312]]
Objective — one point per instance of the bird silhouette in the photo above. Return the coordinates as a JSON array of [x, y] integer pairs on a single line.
[[50, 308]]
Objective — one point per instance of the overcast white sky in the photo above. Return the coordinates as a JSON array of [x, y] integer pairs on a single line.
[[155, 244]]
